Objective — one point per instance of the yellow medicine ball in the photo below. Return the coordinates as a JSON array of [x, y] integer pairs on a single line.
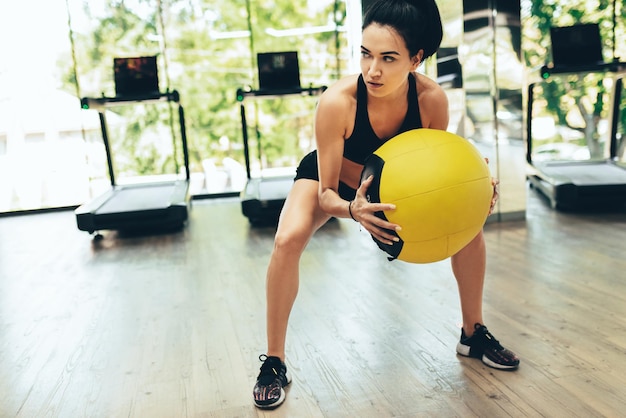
[[441, 186]]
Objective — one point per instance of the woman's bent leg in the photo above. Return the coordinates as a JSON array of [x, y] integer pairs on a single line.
[[468, 266], [300, 218]]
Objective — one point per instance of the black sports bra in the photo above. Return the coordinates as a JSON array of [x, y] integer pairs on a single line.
[[364, 140]]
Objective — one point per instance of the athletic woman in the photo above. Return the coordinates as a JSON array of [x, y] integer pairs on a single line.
[[353, 118]]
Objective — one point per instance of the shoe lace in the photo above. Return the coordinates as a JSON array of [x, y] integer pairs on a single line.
[[269, 370], [490, 340]]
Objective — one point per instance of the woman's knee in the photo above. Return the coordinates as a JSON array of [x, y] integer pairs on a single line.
[[299, 219], [291, 240]]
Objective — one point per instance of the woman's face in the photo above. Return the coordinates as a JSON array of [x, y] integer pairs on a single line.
[[385, 60]]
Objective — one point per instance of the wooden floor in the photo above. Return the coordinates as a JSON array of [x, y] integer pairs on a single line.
[[172, 325]]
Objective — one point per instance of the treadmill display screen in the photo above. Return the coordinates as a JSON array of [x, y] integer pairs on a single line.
[[576, 45], [137, 76], [278, 70]]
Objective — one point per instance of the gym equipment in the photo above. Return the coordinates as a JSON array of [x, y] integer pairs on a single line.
[[263, 197], [578, 183], [143, 206], [442, 190]]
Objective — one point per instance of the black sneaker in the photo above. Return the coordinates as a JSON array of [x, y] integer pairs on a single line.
[[484, 346], [269, 392]]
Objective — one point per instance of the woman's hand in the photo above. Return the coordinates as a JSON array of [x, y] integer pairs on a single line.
[[494, 198], [364, 213], [494, 182]]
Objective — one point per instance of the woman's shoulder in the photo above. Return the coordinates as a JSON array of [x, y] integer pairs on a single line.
[[345, 86], [433, 102], [428, 86], [342, 92], [336, 109]]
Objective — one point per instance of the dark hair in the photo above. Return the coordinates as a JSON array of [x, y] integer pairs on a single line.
[[417, 21]]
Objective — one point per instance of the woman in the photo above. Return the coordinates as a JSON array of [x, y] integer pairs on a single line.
[[354, 117]]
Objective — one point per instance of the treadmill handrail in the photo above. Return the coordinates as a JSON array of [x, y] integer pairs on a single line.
[[608, 67], [242, 93], [102, 102]]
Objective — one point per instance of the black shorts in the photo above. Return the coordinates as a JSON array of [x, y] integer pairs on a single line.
[[308, 170]]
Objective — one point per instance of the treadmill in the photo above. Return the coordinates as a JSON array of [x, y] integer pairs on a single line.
[[263, 196], [142, 207], [580, 184]]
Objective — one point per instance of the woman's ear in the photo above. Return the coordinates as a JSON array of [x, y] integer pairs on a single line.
[[417, 58]]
